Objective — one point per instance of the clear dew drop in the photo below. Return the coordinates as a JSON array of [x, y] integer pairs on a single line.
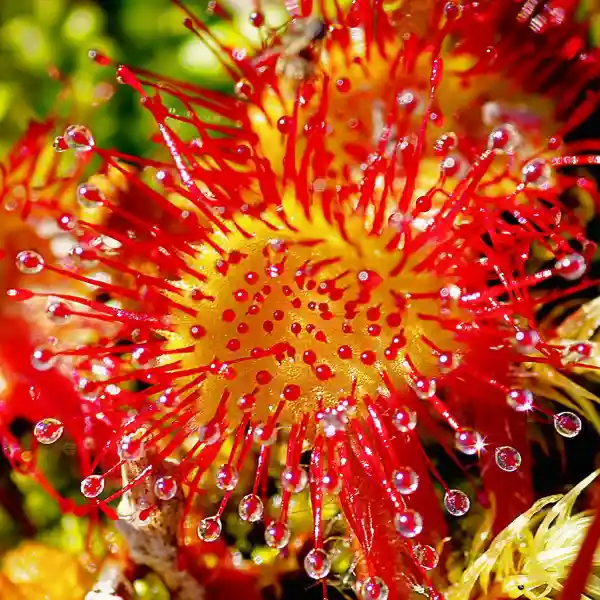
[[332, 423], [243, 89], [457, 503], [507, 458], [408, 523], [294, 479], [567, 424], [79, 138], [58, 312], [519, 399], [277, 535], [505, 139], [210, 529], [48, 431], [90, 195], [527, 340], [264, 435], [165, 488], [405, 480], [209, 434], [92, 486], [43, 359], [130, 448], [571, 267], [426, 556], [317, 564], [29, 262], [375, 588], [404, 420], [537, 173], [425, 388], [227, 478], [468, 441], [251, 508]]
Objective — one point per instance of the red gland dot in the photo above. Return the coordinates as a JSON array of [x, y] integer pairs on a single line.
[[554, 142], [373, 330], [390, 353], [373, 314], [291, 392], [323, 372], [243, 328], [228, 315], [278, 315], [233, 345], [253, 310], [268, 326], [240, 295], [309, 357], [263, 377], [247, 402], [251, 277], [283, 124], [197, 331], [345, 352], [343, 85], [296, 328], [257, 19], [368, 357], [394, 320]]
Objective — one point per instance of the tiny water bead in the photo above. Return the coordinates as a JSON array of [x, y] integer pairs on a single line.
[[375, 588], [264, 435], [277, 535], [29, 262], [567, 424], [130, 448], [251, 508], [90, 195], [210, 529], [520, 400], [537, 173], [504, 139], [209, 434], [406, 481], [48, 431], [294, 479], [408, 523], [92, 486], [43, 359], [425, 388], [507, 458], [426, 556], [527, 340], [404, 420], [317, 564], [571, 267], [58, 312], [165, 488], [227, 477], [457, 503], [79, 138], [468, 441]]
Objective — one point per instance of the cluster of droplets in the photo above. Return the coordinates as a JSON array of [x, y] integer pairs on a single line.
[[535, 174]]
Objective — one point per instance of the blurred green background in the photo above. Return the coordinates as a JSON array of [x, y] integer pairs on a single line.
[[37, 36]]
